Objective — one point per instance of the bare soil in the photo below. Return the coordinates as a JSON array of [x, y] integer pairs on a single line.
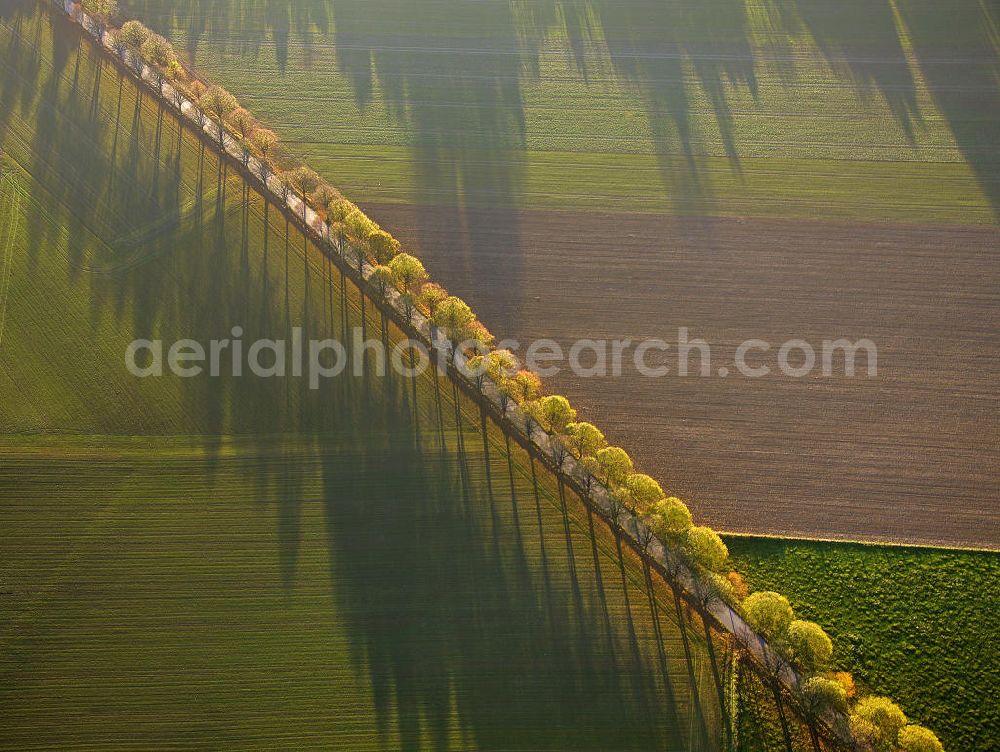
[[912, 455]]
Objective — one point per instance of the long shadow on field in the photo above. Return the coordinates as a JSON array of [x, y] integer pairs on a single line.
[[467, 640], [238, 26], [957, 46], [861, 42], [652, 46]]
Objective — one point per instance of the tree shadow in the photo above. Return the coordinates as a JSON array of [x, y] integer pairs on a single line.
[[451, 618], [861, 42], [452, 79], [241, 27], [957, 46]]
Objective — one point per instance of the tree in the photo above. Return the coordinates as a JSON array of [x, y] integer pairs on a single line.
[[824, 694], [176, 74], [670, 519], [479, 337], [409, 303], [431, 296], [864, 732], [613, 465], [919, 739], [508, 391], [218, 103], [340, 210], [475, 368], [244, 124], [768, 613], [383, 279], [287, 187], [500, 365], [584, 439], [408, 270], [158, 51], [884, 716], [555, 413], [359, 229], [816, 697], [706, 548], [305, 180], [453, 317], [324, 197], [175, 71], [618, 499], [103, 11], [134, 35], [525, 387], [740, 589], [198, 90], [710, 588], [644, 490], [809, 645], [382, 246], [338, 235], [264, 142], [114, 38]]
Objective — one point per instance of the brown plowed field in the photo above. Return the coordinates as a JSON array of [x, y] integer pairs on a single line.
[[912, 455]]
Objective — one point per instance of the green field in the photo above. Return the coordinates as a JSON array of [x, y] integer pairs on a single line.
[[918, 624], [236, 563], [722, 107]]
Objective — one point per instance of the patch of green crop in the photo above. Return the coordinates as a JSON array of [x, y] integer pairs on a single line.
[[916, 624]]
